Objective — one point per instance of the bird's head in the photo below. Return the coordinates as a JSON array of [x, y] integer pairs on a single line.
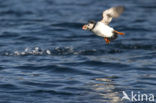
[[89, 26]]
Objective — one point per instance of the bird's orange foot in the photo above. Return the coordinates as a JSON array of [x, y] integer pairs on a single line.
[[119, 32], [107, 40]]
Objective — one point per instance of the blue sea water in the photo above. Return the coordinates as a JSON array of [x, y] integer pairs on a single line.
[[45, 56]]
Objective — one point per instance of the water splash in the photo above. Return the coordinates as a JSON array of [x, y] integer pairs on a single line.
[[40, 51], [59, 51], [28, 51]]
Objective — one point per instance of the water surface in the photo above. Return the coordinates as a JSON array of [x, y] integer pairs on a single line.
[[47, 58]]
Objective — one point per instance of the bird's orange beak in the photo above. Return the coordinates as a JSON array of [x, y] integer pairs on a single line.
[[84, 27]]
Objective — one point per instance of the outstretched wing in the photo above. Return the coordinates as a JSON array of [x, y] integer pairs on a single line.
[[111, 13]]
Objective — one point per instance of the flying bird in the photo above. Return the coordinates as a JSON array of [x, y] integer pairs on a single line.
[[102, 28]]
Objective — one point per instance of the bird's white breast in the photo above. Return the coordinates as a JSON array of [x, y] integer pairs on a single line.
[[103, 30]]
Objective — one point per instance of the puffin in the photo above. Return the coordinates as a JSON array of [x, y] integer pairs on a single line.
[[102, 28]]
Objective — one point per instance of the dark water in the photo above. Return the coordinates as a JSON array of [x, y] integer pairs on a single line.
[[47, 58]]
